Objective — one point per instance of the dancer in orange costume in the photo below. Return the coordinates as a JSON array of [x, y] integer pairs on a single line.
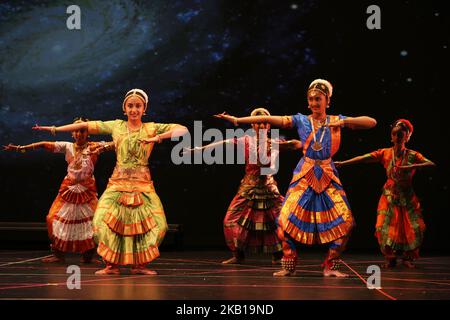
[[400, 226]]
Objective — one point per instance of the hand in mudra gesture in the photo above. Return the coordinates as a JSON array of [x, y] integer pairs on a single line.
[[155, 139], [226, 116], [41, 128], [335, 124], [11, 147]]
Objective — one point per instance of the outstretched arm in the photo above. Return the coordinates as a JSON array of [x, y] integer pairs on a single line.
[[276, 121], [208, 146], [99, 147], [65, 128], [49, 146], [426, 163], [360, 159], [176, 131], [362, 122]]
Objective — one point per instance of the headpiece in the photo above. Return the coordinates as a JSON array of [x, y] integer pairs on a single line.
[[136, 93], [322, 86], [406, 125]]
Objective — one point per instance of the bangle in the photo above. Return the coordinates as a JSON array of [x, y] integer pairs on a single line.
[[53, 131], [235, 121], [21, 149]]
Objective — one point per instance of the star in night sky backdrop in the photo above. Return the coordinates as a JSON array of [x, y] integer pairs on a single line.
[[197, 58]]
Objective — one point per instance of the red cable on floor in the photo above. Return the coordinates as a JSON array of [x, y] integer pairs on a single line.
[[359, 276]]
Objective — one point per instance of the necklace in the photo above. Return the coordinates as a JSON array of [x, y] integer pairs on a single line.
[[260, 146], [317, 145], [79, 150], [133, 152], [395, 171], [78, 155]]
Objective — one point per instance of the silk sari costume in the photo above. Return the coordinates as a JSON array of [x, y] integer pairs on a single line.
[[69, 221], [129, 223], [249, 224], [400, 226], [315, 209]]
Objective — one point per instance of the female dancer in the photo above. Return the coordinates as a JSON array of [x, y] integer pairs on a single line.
[[316, 209], [69, 221], [400, 226], [249, 224], [129, 223]]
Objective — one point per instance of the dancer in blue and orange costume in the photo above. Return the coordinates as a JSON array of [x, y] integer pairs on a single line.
[[315, 210], [129, 222], [250, 222], [400, 226], [69, 221]]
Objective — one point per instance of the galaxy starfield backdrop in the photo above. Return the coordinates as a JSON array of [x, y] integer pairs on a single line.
[[202, 57]]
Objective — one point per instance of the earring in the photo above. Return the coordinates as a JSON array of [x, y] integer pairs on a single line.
[[144, 113], [328, 106]]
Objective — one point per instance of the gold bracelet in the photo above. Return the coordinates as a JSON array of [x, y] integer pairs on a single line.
[[235, 121], [53, 131]]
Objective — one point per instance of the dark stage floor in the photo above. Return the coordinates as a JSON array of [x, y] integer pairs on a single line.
[[191, 275]]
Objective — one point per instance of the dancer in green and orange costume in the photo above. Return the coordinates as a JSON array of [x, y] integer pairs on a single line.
[[129, 223], [69, 221], [400, 226], [315, 210]]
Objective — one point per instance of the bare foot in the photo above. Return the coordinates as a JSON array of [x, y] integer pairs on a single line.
[[232, 260], [52, 259], [107, 271], [284, 273], [334, 273], [144, 271]]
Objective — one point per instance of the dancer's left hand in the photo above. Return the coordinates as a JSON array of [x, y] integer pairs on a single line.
[[95, 148], [407, 167], [150, 140]]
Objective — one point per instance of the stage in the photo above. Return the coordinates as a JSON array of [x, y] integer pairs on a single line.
[[199, 275]]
